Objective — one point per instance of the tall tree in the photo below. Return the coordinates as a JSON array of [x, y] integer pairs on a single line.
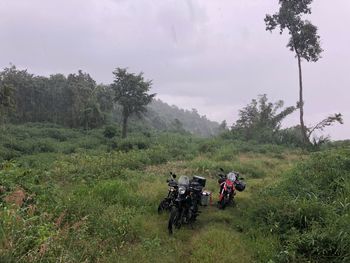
[[131, 92], [304, 40]]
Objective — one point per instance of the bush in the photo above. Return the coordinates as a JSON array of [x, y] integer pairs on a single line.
[[110, 131], [131, 143], [43, 146], [208, 146], [308, 210]]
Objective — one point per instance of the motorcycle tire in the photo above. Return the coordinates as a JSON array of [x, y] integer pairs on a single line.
[[174, 219], [222, 203], [164, 205], [232, 202]]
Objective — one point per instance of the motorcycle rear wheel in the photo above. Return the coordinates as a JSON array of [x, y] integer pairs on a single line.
[[222, 203]]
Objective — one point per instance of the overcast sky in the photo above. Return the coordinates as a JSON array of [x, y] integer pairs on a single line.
[[211, 55]]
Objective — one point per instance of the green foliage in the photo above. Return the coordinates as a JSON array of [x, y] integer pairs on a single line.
[[305, 42], [88, 202], [131, 92], [304, 39], [76, 101], [260, 120], [73, 101], [309, 210], [128, 144], [110, 131]]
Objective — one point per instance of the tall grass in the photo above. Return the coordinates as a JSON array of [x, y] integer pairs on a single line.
[[309, 210], [93, 198]]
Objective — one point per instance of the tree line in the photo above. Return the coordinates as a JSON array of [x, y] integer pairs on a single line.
[[77, 101], [73, 101], [261, 121]]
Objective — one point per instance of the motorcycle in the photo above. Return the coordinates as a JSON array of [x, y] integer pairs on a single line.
[[229, 183], [185, 208], [167, 202]]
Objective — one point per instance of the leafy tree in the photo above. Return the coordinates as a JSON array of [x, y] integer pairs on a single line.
[[92, 116], [58, 99], [304, 40], [6, 96], [329, 121], [261, 120], [131, 92], [23, 92], [6, 99], [104, 95], [79, 90]]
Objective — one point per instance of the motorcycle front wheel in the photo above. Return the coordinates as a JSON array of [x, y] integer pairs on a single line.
[[174, 219], [164, 205]]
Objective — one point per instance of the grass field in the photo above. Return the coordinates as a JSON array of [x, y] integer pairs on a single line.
[[72, 196]]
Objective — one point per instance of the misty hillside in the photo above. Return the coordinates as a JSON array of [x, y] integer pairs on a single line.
[[163, 117], [192, 121]]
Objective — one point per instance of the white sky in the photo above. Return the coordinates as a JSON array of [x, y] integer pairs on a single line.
[[211, 55]]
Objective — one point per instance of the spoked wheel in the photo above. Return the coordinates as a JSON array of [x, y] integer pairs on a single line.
[[174, 219]]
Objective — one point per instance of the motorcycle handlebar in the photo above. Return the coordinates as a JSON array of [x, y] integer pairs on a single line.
[[221, 175]]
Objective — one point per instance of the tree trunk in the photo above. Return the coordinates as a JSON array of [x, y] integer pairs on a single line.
[[125, 124], [301, 104]]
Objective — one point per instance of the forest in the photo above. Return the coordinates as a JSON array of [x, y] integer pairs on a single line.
[[76, 101]]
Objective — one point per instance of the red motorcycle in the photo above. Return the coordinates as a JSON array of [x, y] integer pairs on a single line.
[[228, 185]]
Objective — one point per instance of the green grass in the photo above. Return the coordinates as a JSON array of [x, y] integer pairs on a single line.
[[93, 199]]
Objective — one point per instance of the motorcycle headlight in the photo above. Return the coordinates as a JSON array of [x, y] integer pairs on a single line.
[[171, 189], [182, 190]]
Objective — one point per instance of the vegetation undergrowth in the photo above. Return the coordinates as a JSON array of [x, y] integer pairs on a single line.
[[83, 196]]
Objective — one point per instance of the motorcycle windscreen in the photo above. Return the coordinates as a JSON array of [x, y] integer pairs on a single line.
[[232, 177], [184, 180]]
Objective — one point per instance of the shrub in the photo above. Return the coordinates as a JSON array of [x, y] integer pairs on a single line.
[[43, 146], [56, 134], [110, 131], [208, 146], [131, 143], [308, 210]]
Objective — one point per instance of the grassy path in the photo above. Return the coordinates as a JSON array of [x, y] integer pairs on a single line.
[[107, 209], [216, 236]]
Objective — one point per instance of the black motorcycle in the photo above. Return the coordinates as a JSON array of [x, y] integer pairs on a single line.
[[185, 208], [168, 201]]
